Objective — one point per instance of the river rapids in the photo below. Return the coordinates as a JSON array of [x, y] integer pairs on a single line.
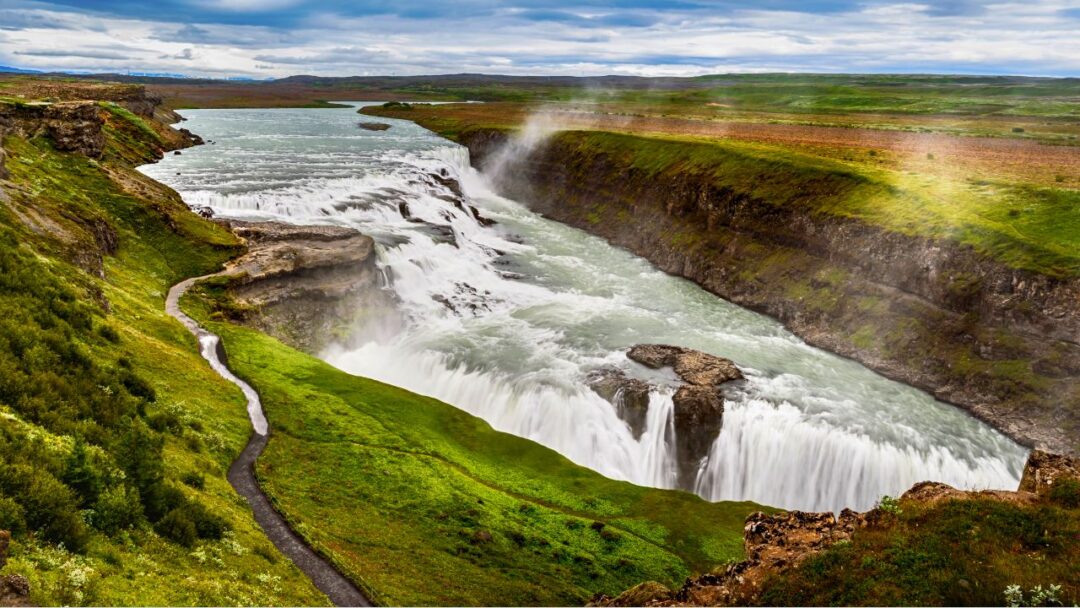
[[507, 321]]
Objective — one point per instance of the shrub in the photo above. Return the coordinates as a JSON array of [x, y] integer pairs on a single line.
[[160, 499], [107, 332], [12, 517], [117, 509], [207, 525], [48, 505], [194, 480], [177, 527], [1018, 129], [81, 476], [890, 505], [1066, 492]]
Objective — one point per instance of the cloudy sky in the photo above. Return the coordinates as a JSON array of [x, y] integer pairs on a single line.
[[271, 38]]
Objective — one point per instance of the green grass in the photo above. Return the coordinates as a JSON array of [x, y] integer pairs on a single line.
[[953, 553], [88, 359], [425, 504]]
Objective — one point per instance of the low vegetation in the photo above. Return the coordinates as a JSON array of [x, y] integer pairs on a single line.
[[970, 552], [425, 504]]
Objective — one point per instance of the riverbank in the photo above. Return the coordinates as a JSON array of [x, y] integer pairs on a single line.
[[984, 321]]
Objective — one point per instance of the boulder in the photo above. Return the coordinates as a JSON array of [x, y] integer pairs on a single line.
[[693, 366], [699, 414], [645, 594], [373, 126], [304, 285]]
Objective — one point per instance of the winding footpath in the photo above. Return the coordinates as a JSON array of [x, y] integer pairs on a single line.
[[337, 587]]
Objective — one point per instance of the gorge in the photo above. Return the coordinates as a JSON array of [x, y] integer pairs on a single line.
[[506, 314]]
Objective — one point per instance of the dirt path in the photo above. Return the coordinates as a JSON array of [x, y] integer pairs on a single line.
[[340, 590]]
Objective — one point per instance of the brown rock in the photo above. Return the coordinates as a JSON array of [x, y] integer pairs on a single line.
[[693, 366], [373, 126], [645, 594], [76, 126], [14, 588], [699, 405], [302, 284], [1043, 468]]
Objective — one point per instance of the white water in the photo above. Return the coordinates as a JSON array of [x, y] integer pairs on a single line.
[[507, 323]]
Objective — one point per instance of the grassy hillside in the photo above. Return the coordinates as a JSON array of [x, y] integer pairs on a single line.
[[425, 504], [114, 434]]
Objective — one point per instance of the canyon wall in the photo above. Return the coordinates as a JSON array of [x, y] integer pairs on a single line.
[[1003, 343]]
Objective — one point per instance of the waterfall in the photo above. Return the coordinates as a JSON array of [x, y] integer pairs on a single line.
[[507, 322]]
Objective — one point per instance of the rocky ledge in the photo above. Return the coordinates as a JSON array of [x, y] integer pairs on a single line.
[[777, 543], [301, 284], [699, 402], [14, 588]]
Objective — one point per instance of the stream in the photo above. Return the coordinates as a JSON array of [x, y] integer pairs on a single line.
[[507, 321]]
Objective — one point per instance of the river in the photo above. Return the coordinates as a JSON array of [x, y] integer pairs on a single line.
[[507, 321]]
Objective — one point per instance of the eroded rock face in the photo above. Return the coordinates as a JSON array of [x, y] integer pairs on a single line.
[[1043, 469], [14, 588], [699, 404], [630, 396], [304, 283], [76, 126]]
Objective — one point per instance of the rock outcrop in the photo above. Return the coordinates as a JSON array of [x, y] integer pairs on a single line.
[[699, 402], [302, 284], [14, 588], [1044, 468], [779, 542]]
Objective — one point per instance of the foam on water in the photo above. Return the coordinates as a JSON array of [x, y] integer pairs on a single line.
[[506, 322]]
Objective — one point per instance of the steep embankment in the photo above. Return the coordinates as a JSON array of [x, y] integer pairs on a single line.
[[115, 437], [848, 261]]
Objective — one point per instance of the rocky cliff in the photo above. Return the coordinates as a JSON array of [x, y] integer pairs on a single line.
[[304, 285], [1002, 342]]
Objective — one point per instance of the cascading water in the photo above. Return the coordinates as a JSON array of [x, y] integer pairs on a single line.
[[507, 321]]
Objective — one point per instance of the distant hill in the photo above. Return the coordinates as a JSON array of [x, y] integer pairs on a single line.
[[13, 70]]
